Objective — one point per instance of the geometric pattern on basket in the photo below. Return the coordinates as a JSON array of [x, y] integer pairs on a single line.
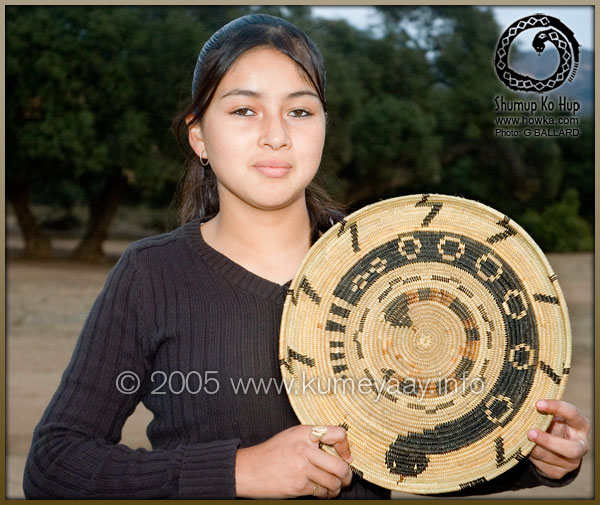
[[422, 298]]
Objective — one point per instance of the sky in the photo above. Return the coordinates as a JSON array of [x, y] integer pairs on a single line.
[[577, 18]]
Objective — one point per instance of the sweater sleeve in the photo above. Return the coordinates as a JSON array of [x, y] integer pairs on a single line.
[[521, 476], [75, 451]]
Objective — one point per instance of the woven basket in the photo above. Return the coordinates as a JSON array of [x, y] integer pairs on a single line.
[[427, 326]]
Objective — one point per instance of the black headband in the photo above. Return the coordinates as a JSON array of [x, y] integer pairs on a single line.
[[217, 38]]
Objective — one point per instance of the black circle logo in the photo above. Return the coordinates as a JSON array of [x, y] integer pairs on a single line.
[[555, 32]]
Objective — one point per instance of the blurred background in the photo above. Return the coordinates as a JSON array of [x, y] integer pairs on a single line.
[[92, 162]]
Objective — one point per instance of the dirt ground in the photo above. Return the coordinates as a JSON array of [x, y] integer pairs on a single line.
[[47, 303]]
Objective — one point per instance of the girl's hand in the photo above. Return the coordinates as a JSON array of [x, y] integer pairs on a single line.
[[291, 464], [560, 449]]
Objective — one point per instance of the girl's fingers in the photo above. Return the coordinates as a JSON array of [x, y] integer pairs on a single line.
[[327, 434], [343, 450], [540, 454], [317, 490], [548, 470], [332, 465], [334, 436], [571, 414], [570, 449], [328, 482]]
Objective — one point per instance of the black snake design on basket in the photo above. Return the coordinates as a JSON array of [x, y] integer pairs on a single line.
[[558, 34]]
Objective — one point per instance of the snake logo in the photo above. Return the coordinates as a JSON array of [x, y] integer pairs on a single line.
[[555, 32]]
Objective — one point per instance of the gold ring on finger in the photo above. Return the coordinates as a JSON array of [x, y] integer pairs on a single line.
[[318, 432]]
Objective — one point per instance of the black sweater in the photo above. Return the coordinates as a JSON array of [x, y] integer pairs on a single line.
[[190, 324]]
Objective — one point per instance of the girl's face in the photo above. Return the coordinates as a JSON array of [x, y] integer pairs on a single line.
[[263, 131]]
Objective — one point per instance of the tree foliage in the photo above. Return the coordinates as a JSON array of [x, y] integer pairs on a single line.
[[91, 95], [91, 92]]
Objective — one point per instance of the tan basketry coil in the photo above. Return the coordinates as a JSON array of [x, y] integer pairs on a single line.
[[427, 326]]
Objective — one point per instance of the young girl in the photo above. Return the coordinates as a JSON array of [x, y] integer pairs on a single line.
[[186, 315]]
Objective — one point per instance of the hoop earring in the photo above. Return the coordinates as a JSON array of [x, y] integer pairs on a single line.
[[203, 163]]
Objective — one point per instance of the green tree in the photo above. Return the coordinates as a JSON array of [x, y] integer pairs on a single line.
[[91, 92], [381, 133], [559, 227], [577, 155], [510, 175]]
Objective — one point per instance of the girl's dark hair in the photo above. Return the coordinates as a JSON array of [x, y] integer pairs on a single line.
[[198, 194]]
